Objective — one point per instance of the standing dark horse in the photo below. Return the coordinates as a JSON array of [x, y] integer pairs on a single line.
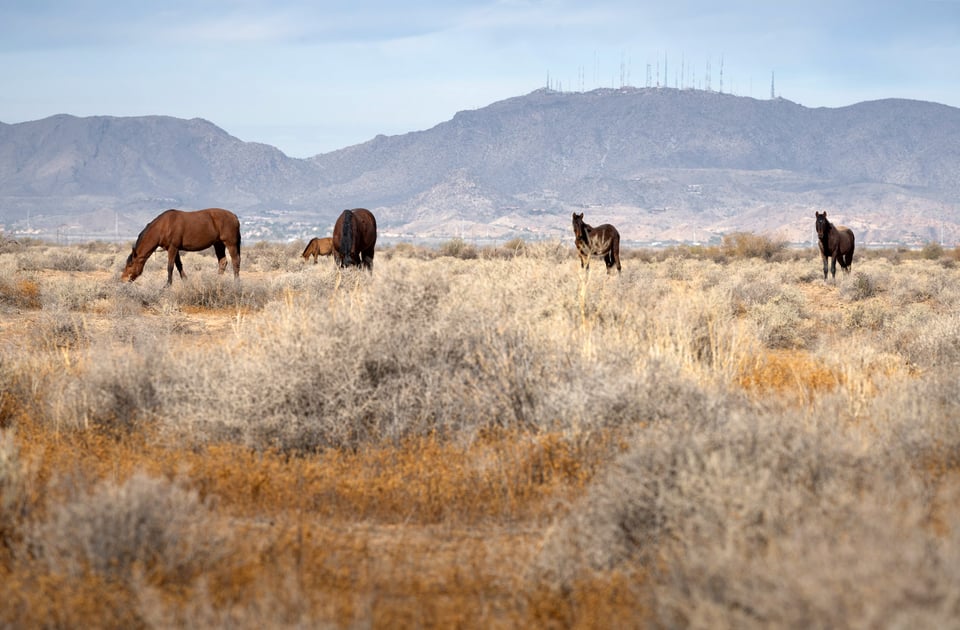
[[318, 247], [603, 240], [354, 237], [836, 241], [176, 231]]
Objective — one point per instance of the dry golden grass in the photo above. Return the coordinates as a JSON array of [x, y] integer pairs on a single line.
[[479, 438]]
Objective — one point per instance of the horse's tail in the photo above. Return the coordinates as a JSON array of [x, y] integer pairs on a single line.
[[346, 237]]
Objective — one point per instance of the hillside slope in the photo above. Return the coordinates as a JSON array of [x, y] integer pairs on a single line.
[[664, 164]]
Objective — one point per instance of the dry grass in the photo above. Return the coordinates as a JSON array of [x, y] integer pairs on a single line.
[[480, 438]]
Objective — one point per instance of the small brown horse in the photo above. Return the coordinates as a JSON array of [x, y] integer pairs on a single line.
[[836, 241], [176, 231], [318, 247], [354, 237], [603, 240]]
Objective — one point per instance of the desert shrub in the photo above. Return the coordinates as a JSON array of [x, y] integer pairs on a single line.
[[57, 328], [219, 292], [71, 259], [114, 389], [931, 251], [749, 245], [20, 292], [867, 316], [405, 353], [153, 525], [457, 248], [13, 496], [555, 252], [921, 282], [265, 256], [934, 342], [513, 248], [75, 293], [860, 287], [8, 245], [404, 249], [759, 521], [748, 289], [780, 321], [30, 260]]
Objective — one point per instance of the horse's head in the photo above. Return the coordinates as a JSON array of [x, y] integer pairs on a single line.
[[822, 223], [578, 226], [133, 267]]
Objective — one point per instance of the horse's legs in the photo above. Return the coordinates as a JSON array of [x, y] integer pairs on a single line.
[[221, 251], [368, 259], [846, 262], [235, 260], [833, 266], [615, 253], [173, 258]]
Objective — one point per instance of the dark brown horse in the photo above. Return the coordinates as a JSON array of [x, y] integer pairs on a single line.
[[176, 231], [354, 237], [603, 240], [318, 247], [836, 241]]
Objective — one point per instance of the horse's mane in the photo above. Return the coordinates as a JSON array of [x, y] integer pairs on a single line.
[[136, 246], [583, 234]]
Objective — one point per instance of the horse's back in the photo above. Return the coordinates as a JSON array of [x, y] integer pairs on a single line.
[[368, 224], [199, 229], [363, 227], [846, 241], [607, 229], [228, 224]]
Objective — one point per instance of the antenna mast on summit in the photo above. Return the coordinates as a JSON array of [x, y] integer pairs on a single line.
[[721, 74]]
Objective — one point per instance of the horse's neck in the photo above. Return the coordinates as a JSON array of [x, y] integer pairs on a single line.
[[828, 231], [585, 232], [146, 244]]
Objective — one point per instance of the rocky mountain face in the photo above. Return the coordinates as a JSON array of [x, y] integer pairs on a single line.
[[661, 164]]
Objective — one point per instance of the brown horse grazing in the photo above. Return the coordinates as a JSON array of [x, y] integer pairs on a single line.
[[354, 237], [603, 240], [176, 231], [318, 247], [836, 241]]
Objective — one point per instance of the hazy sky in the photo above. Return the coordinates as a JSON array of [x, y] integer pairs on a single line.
[[310, 77]]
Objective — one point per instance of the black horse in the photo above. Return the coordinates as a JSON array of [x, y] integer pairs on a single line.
[[603, 240], [836, 241]]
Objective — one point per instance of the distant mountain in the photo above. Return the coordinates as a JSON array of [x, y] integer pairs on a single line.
[[662, 164]]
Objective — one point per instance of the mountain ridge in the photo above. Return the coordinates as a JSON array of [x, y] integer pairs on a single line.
[[664, 164]]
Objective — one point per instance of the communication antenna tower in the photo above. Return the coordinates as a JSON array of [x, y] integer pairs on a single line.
[[721, 74]]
